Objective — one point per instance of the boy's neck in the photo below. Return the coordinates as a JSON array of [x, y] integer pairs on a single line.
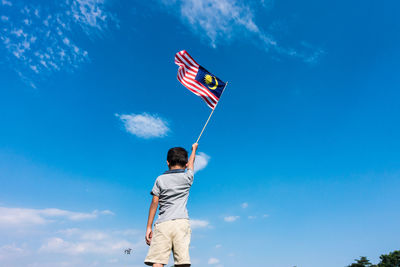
[[176, 168]]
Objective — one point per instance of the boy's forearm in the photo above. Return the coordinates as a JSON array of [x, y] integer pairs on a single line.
[[192, 157], [191, 160], [152, 213]]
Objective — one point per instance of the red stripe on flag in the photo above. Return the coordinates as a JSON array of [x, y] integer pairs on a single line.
[[211, 105], [194, 61], [189, 84], [187, 72], [200, 87], [187, 64]]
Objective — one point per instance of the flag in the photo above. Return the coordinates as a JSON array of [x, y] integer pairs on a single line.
[[198, 80]]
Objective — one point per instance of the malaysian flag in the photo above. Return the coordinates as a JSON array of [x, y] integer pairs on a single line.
[[198, 80]]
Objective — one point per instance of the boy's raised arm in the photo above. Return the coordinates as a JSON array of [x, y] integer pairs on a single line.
[[190, 164]]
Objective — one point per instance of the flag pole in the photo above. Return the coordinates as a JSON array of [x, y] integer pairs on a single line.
[[209, 117]]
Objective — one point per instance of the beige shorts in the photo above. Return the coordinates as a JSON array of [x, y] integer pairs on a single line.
[[170, 235]]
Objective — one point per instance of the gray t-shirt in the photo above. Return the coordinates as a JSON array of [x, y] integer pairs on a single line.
[[172, 188]]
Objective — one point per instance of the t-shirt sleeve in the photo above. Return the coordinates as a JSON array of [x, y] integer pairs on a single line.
[[156, 189], [190, 175]]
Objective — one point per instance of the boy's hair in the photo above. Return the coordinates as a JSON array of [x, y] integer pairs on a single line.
[[177, 156]]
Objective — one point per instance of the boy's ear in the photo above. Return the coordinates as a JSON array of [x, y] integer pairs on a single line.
[[167, 163]]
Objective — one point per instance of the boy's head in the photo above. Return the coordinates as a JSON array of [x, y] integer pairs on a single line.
[[177, 157]]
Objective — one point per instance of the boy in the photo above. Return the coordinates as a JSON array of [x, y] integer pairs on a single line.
[[172, 229]]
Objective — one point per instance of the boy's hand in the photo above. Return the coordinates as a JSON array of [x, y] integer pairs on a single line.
[[194, 146], [149, 236]]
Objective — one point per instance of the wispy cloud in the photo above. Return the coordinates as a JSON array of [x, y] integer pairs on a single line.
[[219, 19], [6, 3], [77, 241], [201, 161], [244, 205], [15, 217], [39, 39], [144, 125], [225, 20], [10, 250], [194, 224], [266, 3], [90, 14], [50, 237], [231, 218], [213, 261]]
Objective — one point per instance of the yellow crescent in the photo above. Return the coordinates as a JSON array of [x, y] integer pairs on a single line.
[[215, 86]]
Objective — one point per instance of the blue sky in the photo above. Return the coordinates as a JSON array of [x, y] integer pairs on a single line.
[[299, 165]]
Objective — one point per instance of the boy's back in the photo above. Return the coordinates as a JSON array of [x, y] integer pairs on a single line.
[[172, 189]]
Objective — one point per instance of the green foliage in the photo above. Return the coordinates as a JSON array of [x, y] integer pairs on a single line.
[[362, 262], [390, 260], [387, 260]]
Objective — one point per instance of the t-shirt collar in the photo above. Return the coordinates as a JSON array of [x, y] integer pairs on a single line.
[[174, 171]]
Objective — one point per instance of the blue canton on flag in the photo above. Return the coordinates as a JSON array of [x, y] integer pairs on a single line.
[[210, 81]]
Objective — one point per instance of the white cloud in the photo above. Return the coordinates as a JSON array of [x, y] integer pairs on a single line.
[[89, 13], [198, 224], [92, 235], [231, 218], [252, 217], [49, 245], [218, 246], [77, 241], [201, 161], [265, 215], [40, 42], [219, 19], [266, 3], [59, 245], [213, 261], [10, 250], [308, 53], [129, 232], [244, 205], [144, 125], [224, 20], [14, 217], [114, 260], [313, 55], [6, 3]]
